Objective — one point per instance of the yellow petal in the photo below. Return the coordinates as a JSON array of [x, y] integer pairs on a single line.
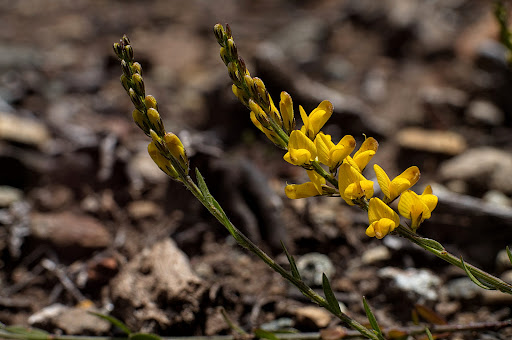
[[382, 179], [296, 191], [377, 210], [298, 140], [341, 150], [319, 117], [365, 153], [317, 180], [352, 185], [323, 145], [286, 107], [382, 227], [298, 156]]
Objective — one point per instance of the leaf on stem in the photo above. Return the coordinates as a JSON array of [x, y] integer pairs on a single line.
[[429, 315], [372, 319], [473, 278], [143, 336], [432, 244], [202, 186], [291, 260], [509, 253], [429, 335], [114, 321], [263, 334], [329, 295]]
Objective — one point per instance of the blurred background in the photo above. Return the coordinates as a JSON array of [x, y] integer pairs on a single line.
[[87, 219]]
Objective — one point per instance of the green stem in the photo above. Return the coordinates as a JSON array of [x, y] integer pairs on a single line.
[[245, 242], [321, 171], [452, 259]]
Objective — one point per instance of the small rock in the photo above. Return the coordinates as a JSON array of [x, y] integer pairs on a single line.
[[9, 195], [495, 297], [52, 197], [71, 320], [143, 209], [316, 315], [70, 230], [440, 142], [443, 98], [416, 282], [142, 166], [376, 254], [157, 278], [311, 267], [23, 130], [507, 276], [462, 289], [488, 168], [484, 112], [278, 325], [496, 197]]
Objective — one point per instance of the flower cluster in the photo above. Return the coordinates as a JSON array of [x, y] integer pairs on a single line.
[[165, 149], [330, 166]]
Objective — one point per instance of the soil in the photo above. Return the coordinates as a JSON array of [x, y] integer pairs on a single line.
[[88, 222]]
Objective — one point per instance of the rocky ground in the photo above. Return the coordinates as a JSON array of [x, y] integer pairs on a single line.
[[86, 215]]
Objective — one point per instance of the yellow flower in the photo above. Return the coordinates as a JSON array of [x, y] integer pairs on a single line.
[[316, 119], [163, 163], [176, 149], [286, 107], [353, 185], [383, 219], [330, 154], [393, 189], [269, 133], [365, 153], [301, 150], [308, 189], [416, 207]]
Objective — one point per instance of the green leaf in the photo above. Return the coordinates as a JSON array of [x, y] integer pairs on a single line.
[[473, 278], [263, 334], [429, 335], [432, 244], [372, 319], [202, 186], [291, 260], [114, 321], [143, 336], [329, 295], [34, 333], [509, 253]]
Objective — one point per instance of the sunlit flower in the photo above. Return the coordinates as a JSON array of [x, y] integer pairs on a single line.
[[416, 207], [383, 219], [352, 184], [393, 189], [286, 107], [163, 163], [308, 189], [316, 119], [330, 154], [365, 153], [301, 150]]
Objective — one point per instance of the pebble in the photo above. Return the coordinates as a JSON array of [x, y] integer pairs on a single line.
[[23, 130], [143, 209], [484, 112], [70, 230], [462, 289], [420, 283], [485, 166], [71, 320], [9, 195], [375, 255], [440, 142], [311, 267], [318, 316], [502, 260], [497, 198]]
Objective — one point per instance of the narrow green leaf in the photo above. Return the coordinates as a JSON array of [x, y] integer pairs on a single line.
[[473, 278], [143, 336], [114, 321], [329, 295], [429, 335], [27, 331], [263, 334], [433, 244], [371, 318], [202, 186], [509, 253], [291, 260]]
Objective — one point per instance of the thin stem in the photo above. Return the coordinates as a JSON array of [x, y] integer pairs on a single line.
[[321, 171], [452, 259]]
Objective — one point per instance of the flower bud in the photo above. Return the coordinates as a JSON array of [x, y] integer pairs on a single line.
[[136, 99], [126, 68], [128, 52], [136, 68], [156, 121], [163, 163], [125, 82], [118, 50], [286, 108], [218, 30], [177, 150], [138, 84], [150, 102]]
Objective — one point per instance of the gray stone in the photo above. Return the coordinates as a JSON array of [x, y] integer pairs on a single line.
[[311, 267], [9, 195], [462, 289], [416, 283], [484, 112], [487, 167]]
